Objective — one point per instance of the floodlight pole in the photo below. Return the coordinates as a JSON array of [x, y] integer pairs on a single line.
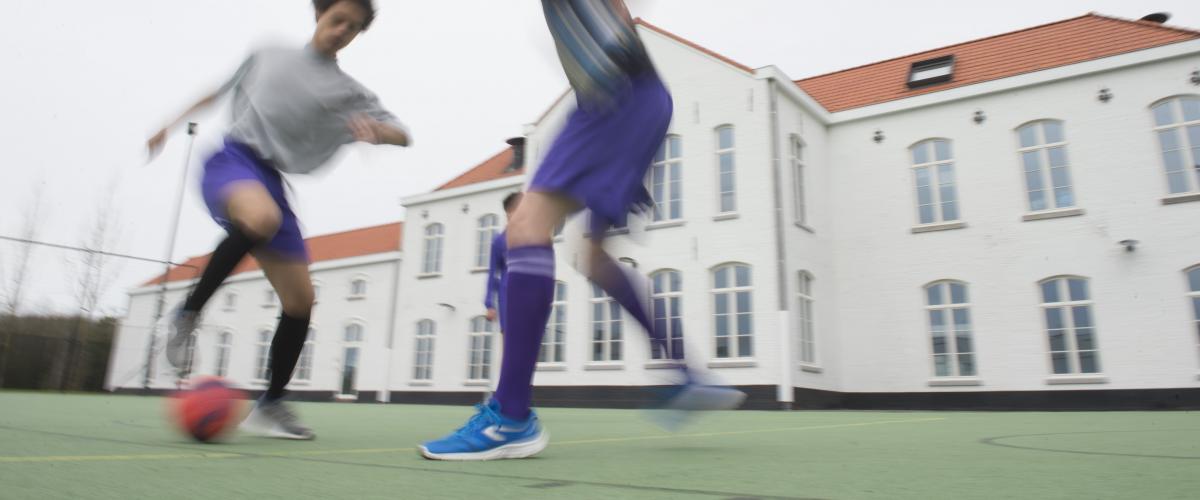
[[162, 288]]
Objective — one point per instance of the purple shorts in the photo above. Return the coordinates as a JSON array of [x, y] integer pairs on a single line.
[[236, 162], [600, 158]]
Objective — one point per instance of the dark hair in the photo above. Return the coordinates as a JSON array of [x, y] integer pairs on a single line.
[[368, 5], [511, 200]]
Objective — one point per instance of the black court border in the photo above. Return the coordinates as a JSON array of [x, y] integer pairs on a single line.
[[763, 397]]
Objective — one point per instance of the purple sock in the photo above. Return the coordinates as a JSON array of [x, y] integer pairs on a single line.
[[617, 284], [528, 294]]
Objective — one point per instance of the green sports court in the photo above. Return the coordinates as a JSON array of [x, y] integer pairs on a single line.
[[104, 446]]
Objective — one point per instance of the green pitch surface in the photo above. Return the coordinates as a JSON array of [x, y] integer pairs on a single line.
[[102, 446]]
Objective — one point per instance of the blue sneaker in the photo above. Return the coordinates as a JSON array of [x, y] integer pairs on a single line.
[[490, 436]]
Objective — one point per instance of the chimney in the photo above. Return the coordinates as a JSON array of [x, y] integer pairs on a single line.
[[518, 147], [1157, 17]]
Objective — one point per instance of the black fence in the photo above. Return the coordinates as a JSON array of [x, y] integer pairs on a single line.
[[54, 352]]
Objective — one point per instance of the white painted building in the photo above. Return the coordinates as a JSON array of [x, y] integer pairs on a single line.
[[1008, 222], [356, 277]]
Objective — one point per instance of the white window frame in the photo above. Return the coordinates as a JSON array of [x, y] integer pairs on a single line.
[[668, 164], [486, 229], [607, 329], [800, 201], [934, 166], [720, 152], [431, 262], [230, 301], [262, 358], [1189, 153], [1040, 150], [304, 365], [426, 334], [316, 287], [730, 292], [807, 340], [354, 292], [1065, 306], [480, 341], [554, 341], [270, 298], [224, 350], [671, 324], [950, 331]]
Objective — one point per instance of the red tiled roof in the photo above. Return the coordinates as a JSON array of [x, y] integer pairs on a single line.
[[1070, 41], [343, 245], [491, 169]]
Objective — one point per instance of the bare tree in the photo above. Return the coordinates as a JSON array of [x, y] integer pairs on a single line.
[[18, 269], [94, 272]]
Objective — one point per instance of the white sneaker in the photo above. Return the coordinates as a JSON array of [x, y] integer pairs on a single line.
[[274, 419], [181, 340]]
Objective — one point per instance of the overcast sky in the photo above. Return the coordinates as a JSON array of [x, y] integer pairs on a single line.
[[85, 82]]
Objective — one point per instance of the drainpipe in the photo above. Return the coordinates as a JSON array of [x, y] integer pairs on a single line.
[[386, 396], [784, 391]]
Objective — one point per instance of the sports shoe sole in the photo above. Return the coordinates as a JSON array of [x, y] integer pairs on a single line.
[[520, 449]]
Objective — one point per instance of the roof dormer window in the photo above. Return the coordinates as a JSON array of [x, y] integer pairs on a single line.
[[931, 71]]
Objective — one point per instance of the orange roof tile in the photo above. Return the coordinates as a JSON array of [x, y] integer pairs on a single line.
[[491, 169], [1070, 41], [343, 245]]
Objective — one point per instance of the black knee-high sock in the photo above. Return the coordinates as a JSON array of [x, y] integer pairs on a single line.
[[285, 351], [227, 255]]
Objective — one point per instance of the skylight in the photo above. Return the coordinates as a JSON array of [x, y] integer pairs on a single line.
[[931, 71]]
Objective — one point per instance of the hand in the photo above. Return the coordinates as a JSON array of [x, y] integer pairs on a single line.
[[364, 129], [155, 145], [491, 315]]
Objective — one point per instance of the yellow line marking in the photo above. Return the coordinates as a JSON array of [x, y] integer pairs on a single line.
[[284, 454]]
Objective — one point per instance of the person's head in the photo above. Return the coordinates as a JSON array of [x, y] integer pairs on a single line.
[[510, 203], [338, 22]]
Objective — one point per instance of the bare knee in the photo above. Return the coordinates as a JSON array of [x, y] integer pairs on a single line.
[[524, 230], [259, 224], [297, 303]]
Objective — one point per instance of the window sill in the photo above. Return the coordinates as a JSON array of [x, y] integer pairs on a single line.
[[603, 366], [662, 365], [227, 309], [617, 231], [1076, 379], [728, 216], [665, 224], [478, 270], [300, 382], [1052, 214], [551, 367], [732, 363], [478, 383], [806, 228], [1180, 198], [355, 297], [268, 306], [938, 226], [955, 381], [426, 276], [810, 368], [346, 397], [421, 383]]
